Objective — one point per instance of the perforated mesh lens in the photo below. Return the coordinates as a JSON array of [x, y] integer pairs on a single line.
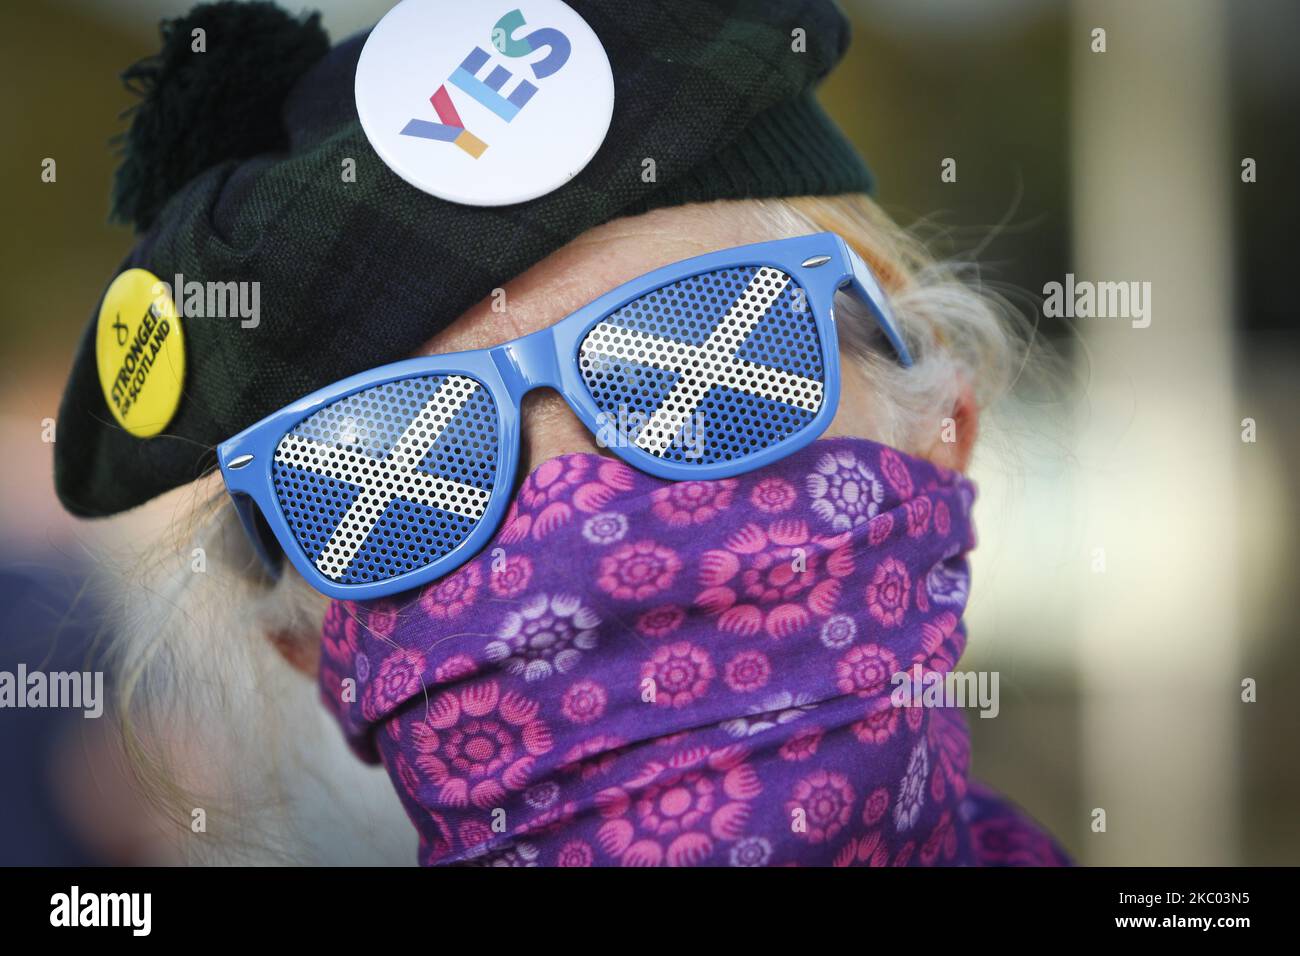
[[711, 368], [390, 479]]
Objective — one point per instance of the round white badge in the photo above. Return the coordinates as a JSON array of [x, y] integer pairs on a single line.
[[485, 103]]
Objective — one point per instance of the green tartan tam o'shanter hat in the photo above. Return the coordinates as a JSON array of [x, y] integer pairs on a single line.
[[231, 174]]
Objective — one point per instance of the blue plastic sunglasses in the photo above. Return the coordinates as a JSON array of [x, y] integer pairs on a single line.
[[706, 368]]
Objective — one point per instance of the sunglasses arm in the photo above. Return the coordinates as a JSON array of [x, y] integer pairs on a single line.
[[863, 283], [259, 536]]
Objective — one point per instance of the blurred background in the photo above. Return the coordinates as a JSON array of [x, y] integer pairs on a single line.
[[1137, 556]]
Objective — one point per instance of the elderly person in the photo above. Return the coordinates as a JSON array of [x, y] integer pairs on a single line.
[[623, 564]]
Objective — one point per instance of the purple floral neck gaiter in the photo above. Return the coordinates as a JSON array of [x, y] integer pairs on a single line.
[[644, 672]]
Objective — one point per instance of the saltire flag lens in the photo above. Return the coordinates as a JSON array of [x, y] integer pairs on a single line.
[[732, 353], [390, 479], [394, 477]]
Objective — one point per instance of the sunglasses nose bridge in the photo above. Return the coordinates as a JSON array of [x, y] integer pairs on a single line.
[[528, 363]]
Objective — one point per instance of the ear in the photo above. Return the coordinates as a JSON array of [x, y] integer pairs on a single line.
[[956, 431], [300, 650]]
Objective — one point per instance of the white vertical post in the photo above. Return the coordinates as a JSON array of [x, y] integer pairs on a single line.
[[1159, 434]]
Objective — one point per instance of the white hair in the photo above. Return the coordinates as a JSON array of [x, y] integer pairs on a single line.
[[222, 732], [218, 722]]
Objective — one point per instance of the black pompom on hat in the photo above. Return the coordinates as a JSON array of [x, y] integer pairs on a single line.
[[202, 105]]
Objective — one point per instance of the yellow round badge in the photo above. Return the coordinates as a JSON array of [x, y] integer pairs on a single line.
[[140, 351]]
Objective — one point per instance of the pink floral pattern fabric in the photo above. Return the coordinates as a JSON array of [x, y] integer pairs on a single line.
[[637, 672]]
